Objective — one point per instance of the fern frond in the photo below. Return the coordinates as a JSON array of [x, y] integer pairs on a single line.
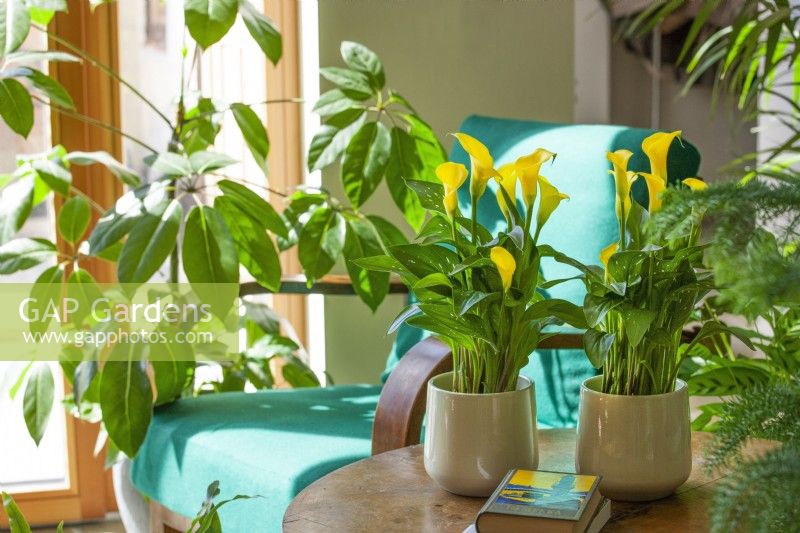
[[761, 495]]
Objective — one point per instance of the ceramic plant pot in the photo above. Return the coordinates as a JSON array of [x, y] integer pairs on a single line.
[[473, 440], [641, 445]]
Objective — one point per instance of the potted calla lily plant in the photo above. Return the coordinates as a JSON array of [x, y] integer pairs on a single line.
[[478, 293], [633, 425]]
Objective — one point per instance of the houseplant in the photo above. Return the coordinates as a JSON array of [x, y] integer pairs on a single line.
[[193, 221], [754, 253], [478, 293], [633, 423]]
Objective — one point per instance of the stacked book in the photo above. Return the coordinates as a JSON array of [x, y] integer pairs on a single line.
[[544, 502]]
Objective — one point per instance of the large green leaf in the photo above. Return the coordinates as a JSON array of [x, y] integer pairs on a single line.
[[636, 322], [38, 400], [298, 375], [126, 399], [354, 84], [83, 379], [128, 209], [254, 206], [24, 253], [15, 23], [209, 20], [727, 378], [597, 344], [424, 260], [201, 127], [46, 290], [359, 57], [128, 176], [56, 92], [39, 56], [203, 161], [16, 105], [83, 289], [329, 143], [16, 520], [263, 31], [208, 251], [361, 240], [43, 11], [255, 136], [333, 102], [255, 249], [149, 244], [173, 367], [169, 164], [321, 242], [54, 175], [73, 219], [16, 202], [429, 193], [404, 164], [365, 161], [429, 149]]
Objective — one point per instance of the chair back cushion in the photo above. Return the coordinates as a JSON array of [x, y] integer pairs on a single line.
[[580, 227]]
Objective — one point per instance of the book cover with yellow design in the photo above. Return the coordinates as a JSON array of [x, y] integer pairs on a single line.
[[552, 495]]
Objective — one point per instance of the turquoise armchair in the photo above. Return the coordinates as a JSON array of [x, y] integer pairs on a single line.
[[274, 443]]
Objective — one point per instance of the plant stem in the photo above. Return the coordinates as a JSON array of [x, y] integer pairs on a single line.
[[105, 69], [95, 122]]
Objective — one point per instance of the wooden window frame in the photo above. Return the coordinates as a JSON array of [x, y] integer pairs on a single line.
[[90, 495]]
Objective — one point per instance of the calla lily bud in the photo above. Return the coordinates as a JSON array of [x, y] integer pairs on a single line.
[[655, 186], [527, 168], [695, 184], [622, 180], [507, 179], [481, 162], [452, 176], [505, 263], [607, 252], [656, 148], [548, 201]]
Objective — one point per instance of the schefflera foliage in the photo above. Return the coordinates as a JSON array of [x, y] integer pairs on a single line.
[[377, 135], [193, 220]]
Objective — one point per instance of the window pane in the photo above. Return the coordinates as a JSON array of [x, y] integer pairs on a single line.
[[24, 467]]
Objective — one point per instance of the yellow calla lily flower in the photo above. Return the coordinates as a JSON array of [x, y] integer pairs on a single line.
[[506, 177], [505, 264], [607, 252], [527, 168], [548, 201], [452, 176], [656, 148], [655, 186], [622, 180], [695, 184], [481, 162]]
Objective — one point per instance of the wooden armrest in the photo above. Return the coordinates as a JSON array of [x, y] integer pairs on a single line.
[[332, 284], [398, 417]]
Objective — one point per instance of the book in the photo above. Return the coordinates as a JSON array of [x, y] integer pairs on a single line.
[[600, 519], [545, 502]]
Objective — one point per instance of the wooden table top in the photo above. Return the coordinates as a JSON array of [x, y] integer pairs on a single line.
[[392, 492]]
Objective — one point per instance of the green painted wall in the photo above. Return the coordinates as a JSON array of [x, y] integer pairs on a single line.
[[450, 58]]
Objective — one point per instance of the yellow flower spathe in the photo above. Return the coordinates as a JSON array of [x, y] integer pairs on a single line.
[[548, 201], [622, 180], [452, 176], [507, 179], [695, 184], [656, 148], [527, 168], [505, 264], [607, 252], [481, 162], [655, 186]]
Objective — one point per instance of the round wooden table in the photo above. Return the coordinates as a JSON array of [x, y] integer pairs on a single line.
[[392, 492]]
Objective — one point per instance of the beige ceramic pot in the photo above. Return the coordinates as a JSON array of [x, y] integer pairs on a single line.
[[473, 440], [641, 445]]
